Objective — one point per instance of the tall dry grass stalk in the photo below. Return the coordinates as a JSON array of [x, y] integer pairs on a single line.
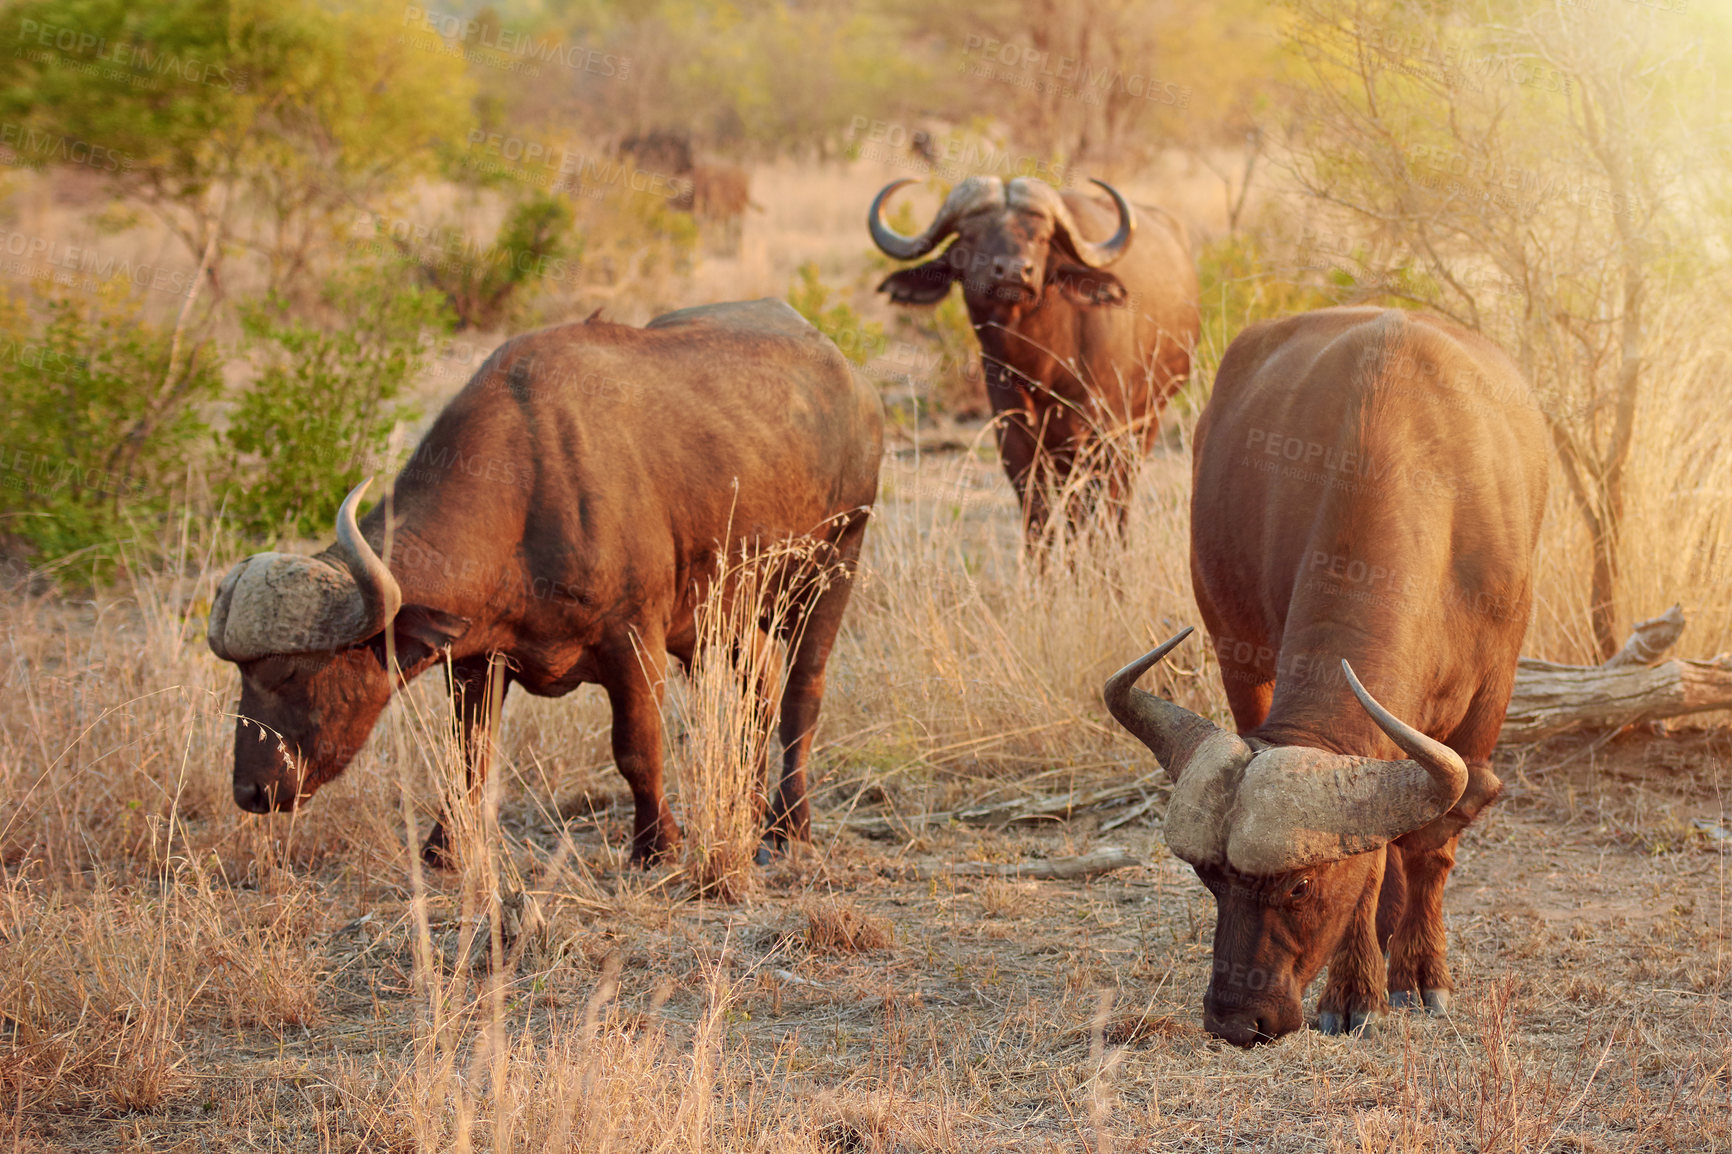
[[728, 706]]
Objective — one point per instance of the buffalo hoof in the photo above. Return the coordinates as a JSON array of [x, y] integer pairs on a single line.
[[648, 857], [1435, 1002], [1335, 1023], [764, 856], [436, 851]]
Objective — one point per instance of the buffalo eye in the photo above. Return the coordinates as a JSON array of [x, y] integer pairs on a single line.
[[1300, 888]]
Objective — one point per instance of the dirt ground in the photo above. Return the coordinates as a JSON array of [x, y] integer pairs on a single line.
[[862, 1008]]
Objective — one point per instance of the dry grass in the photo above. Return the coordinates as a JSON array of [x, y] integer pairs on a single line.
[[177, 975], [836, 927], [727, 708]]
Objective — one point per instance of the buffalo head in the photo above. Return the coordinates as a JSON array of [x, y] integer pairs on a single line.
[[308, 637], [1013, 241], [1289, 839]]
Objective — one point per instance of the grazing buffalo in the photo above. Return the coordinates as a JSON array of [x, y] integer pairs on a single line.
[[1086, 312], [559, 524], [1368, 487]]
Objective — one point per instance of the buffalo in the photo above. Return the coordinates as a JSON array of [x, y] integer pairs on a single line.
[[1086, 313], [1368, 488], [558, 525]]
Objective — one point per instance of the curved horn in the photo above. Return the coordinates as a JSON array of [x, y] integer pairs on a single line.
[[1172, 732], [1106, 252], [1444, 765], [963, 199], [286, 603], [1204, 760], [381, 596], [1299, 806], [891, 242]]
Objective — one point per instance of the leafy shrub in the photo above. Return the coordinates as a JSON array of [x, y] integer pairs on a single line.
[[317, 418], [533, 244], [860, 340], [99, 436]]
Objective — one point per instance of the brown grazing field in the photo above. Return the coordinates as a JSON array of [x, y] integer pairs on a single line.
[[177, 975]]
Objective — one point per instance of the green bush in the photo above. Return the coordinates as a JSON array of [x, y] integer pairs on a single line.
[[1246, 278], [860, 340], [99, 439], [533, 244], [317, 418], [1242, 280]]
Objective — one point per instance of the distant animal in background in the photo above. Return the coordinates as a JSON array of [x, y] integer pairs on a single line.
[[717, 193], [1086, 313]]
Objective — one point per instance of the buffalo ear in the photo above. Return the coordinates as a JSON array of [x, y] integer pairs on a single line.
[[420, 631], [1088, 286], [924, 284], [434, 628]]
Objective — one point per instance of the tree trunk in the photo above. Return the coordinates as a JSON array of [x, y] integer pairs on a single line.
[[1603, 591]]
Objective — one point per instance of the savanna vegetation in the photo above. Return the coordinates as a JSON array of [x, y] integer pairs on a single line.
[[250, 249]]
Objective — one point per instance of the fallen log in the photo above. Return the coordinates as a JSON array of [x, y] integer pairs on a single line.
[[1058, 807], [1550, 698], [1092, 864]]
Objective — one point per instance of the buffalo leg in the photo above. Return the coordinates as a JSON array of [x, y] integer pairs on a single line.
[[1418, 966], [1029, 470], [1250, 689], [635, 681], [1248, 698], [1393, 899], [1121, 483], [1355, 989], [473, 701], [790, 812], [1034, 492]]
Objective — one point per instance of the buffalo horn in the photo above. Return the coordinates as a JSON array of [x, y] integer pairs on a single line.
[[1442, 764], [1298, 807], [279, 603], [971, 194], [1172, 732], [1094, 255], [381, 596]]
